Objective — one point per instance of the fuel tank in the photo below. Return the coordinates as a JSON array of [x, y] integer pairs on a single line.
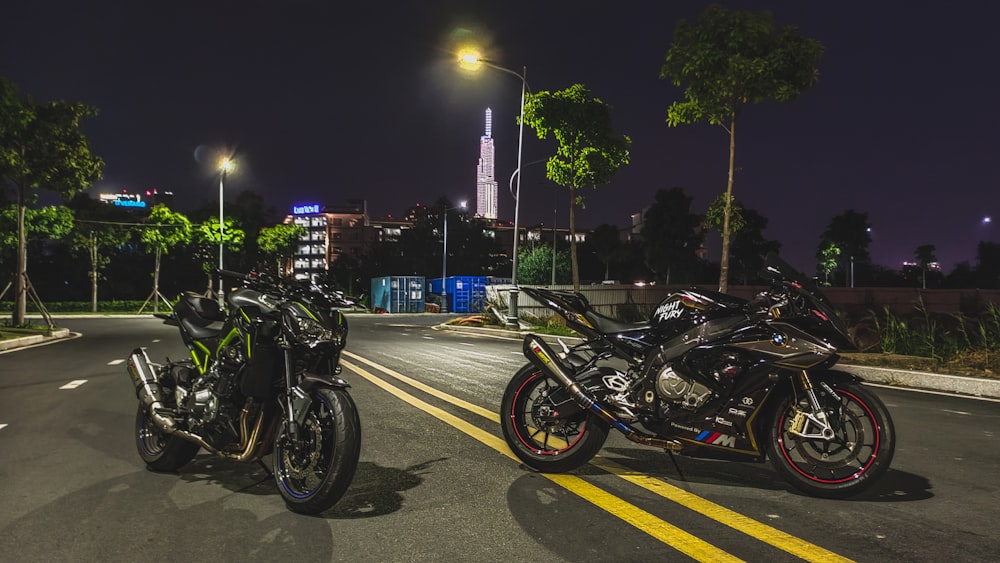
[[683, 310]]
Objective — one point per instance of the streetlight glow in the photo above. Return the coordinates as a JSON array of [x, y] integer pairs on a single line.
[[225, 166], [470, 58]]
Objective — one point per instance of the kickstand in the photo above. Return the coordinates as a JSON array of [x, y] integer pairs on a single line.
[[676, 465], [266, 468]]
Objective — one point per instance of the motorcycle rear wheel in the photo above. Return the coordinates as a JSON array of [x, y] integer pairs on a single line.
[[161, 452], [535, 432], [313, 472], [859, 453]]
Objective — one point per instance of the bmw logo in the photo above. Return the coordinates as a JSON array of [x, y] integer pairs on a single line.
[[779, 339]]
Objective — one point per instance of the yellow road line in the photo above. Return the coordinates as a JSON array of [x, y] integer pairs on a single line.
[[686, 543], [721, 514], [487, 414]]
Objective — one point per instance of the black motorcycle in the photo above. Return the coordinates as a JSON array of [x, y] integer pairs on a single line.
[[263, 378], [708, 375]]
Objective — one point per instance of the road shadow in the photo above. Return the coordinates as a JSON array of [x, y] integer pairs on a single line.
[[562, 528], [150, 517], [895, 486], [374, 491]]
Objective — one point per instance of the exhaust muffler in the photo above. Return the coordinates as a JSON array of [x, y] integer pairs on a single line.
[[148, 389], [544, 358]]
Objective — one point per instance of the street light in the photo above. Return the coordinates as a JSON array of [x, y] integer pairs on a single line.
[[226, 165], [473, 60], [444, 259]]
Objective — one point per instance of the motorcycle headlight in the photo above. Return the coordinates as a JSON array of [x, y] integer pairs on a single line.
[[306, 328]]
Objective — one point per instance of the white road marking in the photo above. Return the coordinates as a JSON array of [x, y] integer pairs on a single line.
[[116, 362], [2, 426], [957, 412], [466, 344], [74, 384], [428, 338], [156, 340]]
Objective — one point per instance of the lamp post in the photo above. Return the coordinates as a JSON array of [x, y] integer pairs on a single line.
[[473, 60], [225, 166], [444, 259]]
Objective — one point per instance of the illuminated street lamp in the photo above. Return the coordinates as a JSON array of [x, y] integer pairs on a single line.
[[226, 165], [473, 60], [444, 259]]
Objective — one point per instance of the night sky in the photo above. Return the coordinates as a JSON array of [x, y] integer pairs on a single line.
[[326, 101]]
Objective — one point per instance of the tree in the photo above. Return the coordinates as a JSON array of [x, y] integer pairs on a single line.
[[730, 59], [749, 247], [672, 236], [988, 265], [47, 223], [534, 265], [589, 153], [164, 230], [252, 214], [827, 259], [925, 255], [851, 233], [98, 228], [41, 147], [279, 243], [605, 241], [206, 236]]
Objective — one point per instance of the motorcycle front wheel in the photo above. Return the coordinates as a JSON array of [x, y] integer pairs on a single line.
[[161, 452], [536, 431], [314, 471], [859, 453]]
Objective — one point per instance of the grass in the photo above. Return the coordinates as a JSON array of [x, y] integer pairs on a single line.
[[955, 344], [8, 332]]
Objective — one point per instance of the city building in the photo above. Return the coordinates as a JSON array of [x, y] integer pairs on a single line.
[[486, 184], [333, 231]]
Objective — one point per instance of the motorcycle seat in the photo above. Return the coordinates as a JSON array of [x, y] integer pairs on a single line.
[[608, 325]]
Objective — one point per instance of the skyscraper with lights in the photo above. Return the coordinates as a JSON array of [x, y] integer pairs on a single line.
[[486, 184]]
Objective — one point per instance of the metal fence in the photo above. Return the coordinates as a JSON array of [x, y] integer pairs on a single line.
[[631, 302]]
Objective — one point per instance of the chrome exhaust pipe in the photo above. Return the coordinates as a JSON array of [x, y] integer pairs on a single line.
[[544, 358], [148, 390]]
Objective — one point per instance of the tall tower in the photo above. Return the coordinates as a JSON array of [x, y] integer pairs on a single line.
[[486, 184]]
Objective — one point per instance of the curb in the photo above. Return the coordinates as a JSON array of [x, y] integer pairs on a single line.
[[927, 381], [14, 343], [974, 386]]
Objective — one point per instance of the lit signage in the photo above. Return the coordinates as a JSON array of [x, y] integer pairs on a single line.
[[123, 200], [304, 209], [129, 203]]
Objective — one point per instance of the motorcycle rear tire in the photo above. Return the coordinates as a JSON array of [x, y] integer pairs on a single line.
[[314, 472], [548, 444], [161, 452]]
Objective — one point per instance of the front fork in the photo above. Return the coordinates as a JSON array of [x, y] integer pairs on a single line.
[[297, 397], [815, 424], [296, 400]]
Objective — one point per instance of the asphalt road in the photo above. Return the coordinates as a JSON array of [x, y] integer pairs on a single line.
[[436, 482]]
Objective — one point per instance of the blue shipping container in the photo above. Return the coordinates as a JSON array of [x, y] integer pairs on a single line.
[[398, 294], [466, 294]]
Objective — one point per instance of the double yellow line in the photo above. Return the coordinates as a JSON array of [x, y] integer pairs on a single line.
[[686, 543]]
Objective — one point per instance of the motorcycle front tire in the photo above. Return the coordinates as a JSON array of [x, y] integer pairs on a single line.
[[314, 471], [859, 453]]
